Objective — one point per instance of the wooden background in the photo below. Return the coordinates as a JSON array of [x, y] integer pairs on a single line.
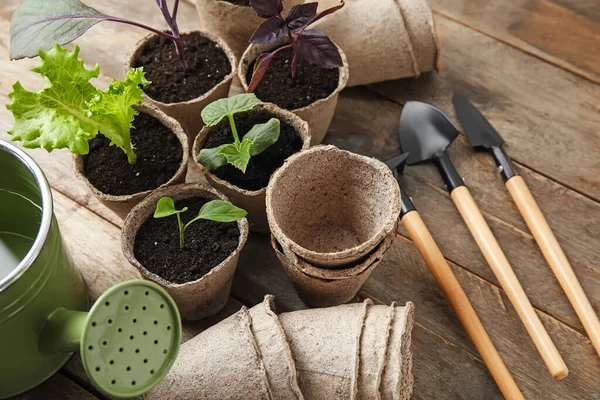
[[533, 67]]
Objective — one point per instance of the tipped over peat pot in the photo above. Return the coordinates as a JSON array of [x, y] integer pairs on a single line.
[[233, 20], [247, 190], [183, 93], [332, 207], [199, 276], [312, 95], [162, 153]]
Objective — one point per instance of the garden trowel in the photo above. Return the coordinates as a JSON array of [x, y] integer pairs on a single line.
[[482, 135], [452, 290], [426, 132]]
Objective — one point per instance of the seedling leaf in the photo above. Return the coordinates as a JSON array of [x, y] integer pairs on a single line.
[[301, 15], [221, 211], [217, 110], [269, 31], [325, 13], [211, 159], [260, 67], [166, 207], [38, 24], [237, 155], [263, 136], [267, 8], [316, 48]]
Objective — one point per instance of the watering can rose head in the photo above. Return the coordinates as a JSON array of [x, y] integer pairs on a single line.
[[68, 111], [312, 45]]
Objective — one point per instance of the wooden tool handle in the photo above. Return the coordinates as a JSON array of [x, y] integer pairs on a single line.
[[508, 280], [555, 256], [460, 304]]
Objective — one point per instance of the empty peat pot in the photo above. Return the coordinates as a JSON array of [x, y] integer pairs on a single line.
[[119, 186], [183, 93], [247, 190], [200, 288], [318, 112], [332, 207], [43, 301]]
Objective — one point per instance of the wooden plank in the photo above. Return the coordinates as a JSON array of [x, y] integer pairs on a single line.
[[549, 117], [563, 32], [56, 387]]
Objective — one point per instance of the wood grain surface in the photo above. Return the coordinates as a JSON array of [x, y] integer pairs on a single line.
[[530, 65]]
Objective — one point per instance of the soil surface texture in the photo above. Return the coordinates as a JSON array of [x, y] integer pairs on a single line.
[[159, 154], [261, 166], [207, 244], [207, 65], [311, 84]]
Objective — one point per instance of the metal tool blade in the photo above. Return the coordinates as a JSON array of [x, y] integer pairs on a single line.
[[478, 129]]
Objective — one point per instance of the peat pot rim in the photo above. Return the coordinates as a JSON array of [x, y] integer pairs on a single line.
[[349, 254], [177, 192], [169, 123], [47, 213], [253, 51], [288, 117], [211, 36]]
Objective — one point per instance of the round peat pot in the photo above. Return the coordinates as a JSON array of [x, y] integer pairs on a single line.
[[332, 207], [43, 301], [37, 275]]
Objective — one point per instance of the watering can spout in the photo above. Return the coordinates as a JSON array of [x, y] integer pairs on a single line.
[[62, 331]]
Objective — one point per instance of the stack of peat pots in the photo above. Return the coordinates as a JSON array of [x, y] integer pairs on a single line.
[[333, 214], [353, 351]]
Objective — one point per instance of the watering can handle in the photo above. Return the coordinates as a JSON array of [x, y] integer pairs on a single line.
[[460, 303], [508, 280], [555, 257]]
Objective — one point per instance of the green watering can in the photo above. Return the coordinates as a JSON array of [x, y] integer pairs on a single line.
[[128, 340]]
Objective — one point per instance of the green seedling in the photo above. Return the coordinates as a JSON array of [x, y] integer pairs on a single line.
[[238, 153], [68, 111], [215, 210]]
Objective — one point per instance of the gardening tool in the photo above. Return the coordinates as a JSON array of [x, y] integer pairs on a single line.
[[43, 299], [426, 133], [429, 250], [482, 135]]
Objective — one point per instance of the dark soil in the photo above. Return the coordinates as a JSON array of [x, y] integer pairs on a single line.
[[311, 84], [242, 3], [207, 244], [171, 82], [159, 154], [261, 166]]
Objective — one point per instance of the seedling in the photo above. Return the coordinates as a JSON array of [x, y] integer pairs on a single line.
[[38, 24], [68, 111], [215, 210], [313, 45], [238, 153]]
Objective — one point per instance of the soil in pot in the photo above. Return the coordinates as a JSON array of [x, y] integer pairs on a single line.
[[311, 83], [207, 63], [207, 244], [159, 154], [261, 166]]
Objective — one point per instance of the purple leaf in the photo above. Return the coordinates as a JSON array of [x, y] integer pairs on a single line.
[[260, 67], [267, 8], [301, 15], [316, 48], [269, 31], [325, 13]]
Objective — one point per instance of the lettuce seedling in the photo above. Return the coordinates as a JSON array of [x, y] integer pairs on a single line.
[[68, 111], [38, 24], [238, 153], [313, 45], [215, 210]]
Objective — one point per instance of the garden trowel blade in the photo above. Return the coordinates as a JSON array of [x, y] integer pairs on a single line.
[[480, 132], [425, 131], [397, 164]]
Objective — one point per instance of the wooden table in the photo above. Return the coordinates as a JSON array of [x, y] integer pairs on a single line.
[[533, 66]]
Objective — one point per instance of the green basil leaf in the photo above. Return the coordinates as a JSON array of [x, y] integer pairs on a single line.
[[263, 136], [213, 113], [166, 207], [221, 211], [237, 155], [211, 159]]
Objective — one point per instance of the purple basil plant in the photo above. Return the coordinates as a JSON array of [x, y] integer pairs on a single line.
[[313, 45], [38, 24]]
